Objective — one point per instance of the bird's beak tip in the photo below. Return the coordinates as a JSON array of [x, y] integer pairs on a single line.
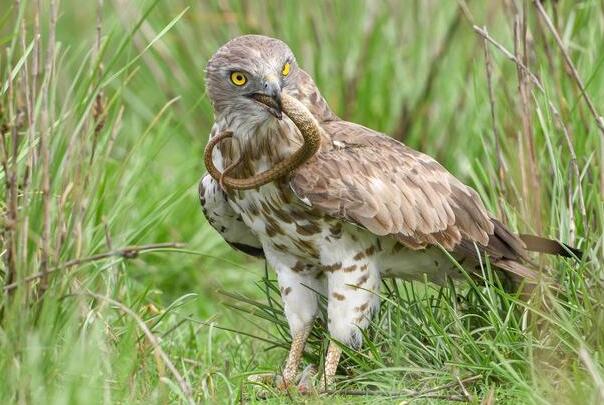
[[271, 101]]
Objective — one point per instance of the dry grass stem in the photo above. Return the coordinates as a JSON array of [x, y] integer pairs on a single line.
[[500, 181], [129, 252], [555, 113], [45, 135], [530, 174], [577, 78]]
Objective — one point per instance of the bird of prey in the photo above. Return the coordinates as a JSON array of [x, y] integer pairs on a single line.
[[335, 207]]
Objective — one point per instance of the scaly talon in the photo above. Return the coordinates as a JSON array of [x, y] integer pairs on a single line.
[[332, 359]]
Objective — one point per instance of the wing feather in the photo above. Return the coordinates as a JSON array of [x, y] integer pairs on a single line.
[[225, 220], [390, 189]]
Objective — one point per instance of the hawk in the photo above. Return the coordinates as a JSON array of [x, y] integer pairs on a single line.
[[334, 207]]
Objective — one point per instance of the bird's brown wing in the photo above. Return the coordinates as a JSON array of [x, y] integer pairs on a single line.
[[390, 189]]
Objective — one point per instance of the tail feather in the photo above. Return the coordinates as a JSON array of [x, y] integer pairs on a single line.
[[519, 270], [543, 245]]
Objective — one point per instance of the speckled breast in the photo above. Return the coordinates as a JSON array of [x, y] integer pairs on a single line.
[[282, 221]]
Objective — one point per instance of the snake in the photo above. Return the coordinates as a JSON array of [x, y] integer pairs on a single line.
[[311, 135]]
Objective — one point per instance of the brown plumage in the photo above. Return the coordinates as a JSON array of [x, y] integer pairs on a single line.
[[390, 189], [376, 182], [334, 206]]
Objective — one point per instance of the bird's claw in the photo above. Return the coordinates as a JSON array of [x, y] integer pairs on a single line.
[[306, 380], [303, 382]]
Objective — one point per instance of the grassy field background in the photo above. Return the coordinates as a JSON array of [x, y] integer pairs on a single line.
[[103, 119]]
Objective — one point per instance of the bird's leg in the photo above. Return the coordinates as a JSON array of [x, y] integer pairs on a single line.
[[353, 286], [290, 371], [298, 287], [332, 359], [289, 376]]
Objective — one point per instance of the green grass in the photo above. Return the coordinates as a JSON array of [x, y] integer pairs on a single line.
[[117, 130]]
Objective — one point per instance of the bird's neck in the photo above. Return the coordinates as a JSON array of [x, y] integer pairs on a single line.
[[259, 147]]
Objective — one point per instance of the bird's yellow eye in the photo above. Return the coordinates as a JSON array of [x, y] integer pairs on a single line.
[[238, 78], [286, 68]]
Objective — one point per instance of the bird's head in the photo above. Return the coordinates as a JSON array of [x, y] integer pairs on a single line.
[[244, 71], [253, 80]]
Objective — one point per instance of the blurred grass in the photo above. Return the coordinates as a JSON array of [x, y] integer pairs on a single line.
[[115, 97]]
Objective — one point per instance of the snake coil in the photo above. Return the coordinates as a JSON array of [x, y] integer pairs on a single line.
[[311, 134]]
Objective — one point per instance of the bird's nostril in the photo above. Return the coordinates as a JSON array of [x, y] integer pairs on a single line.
[[266, 85]]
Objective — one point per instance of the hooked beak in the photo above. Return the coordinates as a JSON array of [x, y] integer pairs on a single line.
[[270, 97]]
